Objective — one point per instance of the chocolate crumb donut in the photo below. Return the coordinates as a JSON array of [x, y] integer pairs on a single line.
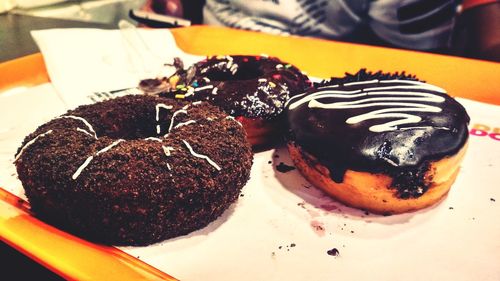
[[134, 170], [386, 143], [253, 89]]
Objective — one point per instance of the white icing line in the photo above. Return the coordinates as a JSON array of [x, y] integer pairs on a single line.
[[210, 161], [185, 107], [214, 91], [184, 123], [167, 150], [197, 103], [85, 131], [324, 87], [173, 117], [80, 119], [89, 159], [397, 99], [234, 119], [203, 88], [80, 169], [30, 143], [321, 94], [158, 106], [418, 83], [169, 168], [361, 82], [234, 68], [109, 147], [153, 139]]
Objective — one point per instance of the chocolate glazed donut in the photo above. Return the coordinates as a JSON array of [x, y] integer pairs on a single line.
[[253, 89], [393, 128]]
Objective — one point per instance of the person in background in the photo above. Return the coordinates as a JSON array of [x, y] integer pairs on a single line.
[[467, 28]]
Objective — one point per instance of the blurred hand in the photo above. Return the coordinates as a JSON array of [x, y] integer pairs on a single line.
[[164, 7]]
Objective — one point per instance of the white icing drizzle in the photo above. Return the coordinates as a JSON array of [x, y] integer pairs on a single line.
[[185, 107], [214, 91], [361, 82], [80, 169], [158, 106], [80, 119], [109, 147], [173, 117], [233, 68], [196, 103], [234, 119], [398, 100], [262, 80], [167, 150], [204, 88], [153, 139], [184, 123], [89, 159], [31, 142], [86, 132], [210, 161], [169, 168]]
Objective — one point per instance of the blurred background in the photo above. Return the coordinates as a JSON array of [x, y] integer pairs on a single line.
[[468, 28]]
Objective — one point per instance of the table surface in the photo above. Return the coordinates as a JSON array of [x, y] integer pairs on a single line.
[[462, 77], [15, 38]]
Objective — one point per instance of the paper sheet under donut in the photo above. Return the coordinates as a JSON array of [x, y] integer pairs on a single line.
[[281, 228]]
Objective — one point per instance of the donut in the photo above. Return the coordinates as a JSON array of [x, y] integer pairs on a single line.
[[134, 170], [253, 89], [384, 143]]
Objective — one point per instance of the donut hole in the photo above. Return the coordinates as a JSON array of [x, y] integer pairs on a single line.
[[245, 71], [127, 127]]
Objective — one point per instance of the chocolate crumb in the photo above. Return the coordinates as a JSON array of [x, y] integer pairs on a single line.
[[367, 213], [352, 231], [492, 199], [242, 195], [284, 168], [269, 162], [451, 208], [333, 252], [280, 247], [293, 245]]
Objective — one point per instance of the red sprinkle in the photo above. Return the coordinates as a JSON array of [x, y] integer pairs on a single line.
[[277, 76]]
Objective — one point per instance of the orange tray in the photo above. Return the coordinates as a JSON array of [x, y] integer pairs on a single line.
[[74, 258]]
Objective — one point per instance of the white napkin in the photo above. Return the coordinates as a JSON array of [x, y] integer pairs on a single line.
[[81, 61]]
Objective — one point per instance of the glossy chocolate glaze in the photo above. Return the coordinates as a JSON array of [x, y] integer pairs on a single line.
[[249, 86], [403, 151]]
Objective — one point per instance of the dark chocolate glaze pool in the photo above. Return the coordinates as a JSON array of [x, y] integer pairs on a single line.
[[396, 127]]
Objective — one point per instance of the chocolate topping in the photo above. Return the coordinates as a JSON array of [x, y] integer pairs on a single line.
[[392, 126], [249, 86], [110, 173]]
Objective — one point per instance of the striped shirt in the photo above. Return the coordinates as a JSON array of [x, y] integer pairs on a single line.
[[415, 24]]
